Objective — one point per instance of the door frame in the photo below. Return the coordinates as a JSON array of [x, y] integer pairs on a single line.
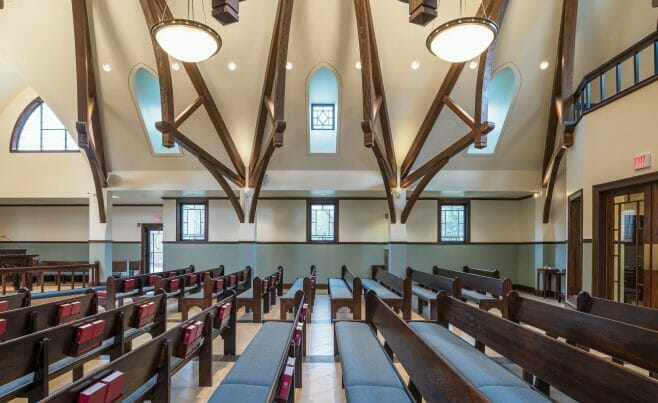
[[575, 246], [146, 227], [600, 278]]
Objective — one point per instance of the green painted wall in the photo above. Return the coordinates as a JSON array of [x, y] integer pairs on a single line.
[[126, 251], [52, 250], [201, 255]]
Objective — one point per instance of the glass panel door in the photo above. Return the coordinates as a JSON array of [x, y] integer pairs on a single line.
[[155, 253], [628, 248]]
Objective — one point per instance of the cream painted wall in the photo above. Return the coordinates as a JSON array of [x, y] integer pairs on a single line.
[[126, 218], [222, 220], [422, 225], [42, 175], [281, 220], [44, 223], [362, 221], [495, 221], [169, 220]]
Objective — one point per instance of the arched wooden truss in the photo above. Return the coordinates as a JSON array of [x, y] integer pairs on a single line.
[[374, 104], [272, 105]]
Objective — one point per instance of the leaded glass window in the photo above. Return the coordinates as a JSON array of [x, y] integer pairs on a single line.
[[192, 221], [322, 221], [39, 130], [323, 117], [453, 222]]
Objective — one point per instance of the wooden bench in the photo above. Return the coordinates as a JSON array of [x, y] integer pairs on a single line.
[[146, 371], [345, 292], [260, 295], [482, 272], [393, 290], [212, 288], [288, 299], [244, 279], [425, 286], [636, 345], [23, 321], [487, 292], [270, 368], [20, 299], [31, 361], [631, 314], [576, 373]]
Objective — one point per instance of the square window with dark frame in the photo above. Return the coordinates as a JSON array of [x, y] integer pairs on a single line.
[[192, 225], [453, 222], [323, 117], [322, 221]]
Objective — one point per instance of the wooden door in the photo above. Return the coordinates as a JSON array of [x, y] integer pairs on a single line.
[[575, 244]]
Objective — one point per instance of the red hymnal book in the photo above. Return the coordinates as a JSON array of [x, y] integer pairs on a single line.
[[75, 307], [4, 306], [102, 293], [94, 394], [114, 383], [298, 334], [173, 284], [99, 326], [128, 285], [153, 280], [304, 310], [3, 326], [199, 329], [189, 334], [64, 310], [192, 279], [219, 285], [224, 311], [265, 284], [84, 333], [232, 280], [172, 274], [286, 382]]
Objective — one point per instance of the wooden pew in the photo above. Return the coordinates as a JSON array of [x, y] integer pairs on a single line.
[[23, 321], [631, 314], [345, 292], [20, 299], [482, 272], [270, 369], [244, 278], [31, 361], [288, 299], [260, 295], [393, 290], [576, 373], [212, 288], [428, 285], [147, 370], [476, 287], [632, 344]]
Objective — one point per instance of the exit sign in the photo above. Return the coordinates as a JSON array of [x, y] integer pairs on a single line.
[[642, 161]]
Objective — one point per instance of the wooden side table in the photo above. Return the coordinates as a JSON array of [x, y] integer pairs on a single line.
[[546, 274]]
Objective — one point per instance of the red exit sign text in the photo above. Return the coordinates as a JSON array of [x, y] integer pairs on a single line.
[[642, 161]]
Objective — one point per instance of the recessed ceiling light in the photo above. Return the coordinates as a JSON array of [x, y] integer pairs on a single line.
[[232, 66], [107, 67], [289, 66], [358, 65], [543, 65], [473, 65], [175, 66], [415, 65], [116, 197]]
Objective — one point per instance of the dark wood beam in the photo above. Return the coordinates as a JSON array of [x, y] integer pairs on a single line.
[[88, 127], [436, 107], [654, 3], [459, 111], [449, 152], [274, 96], [562, 79], [2, 4], [187, 112], [235, 202], [415, 195], [561, 110]]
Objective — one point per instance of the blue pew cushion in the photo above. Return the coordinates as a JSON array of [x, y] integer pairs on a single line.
[[363, 359], [494, 381], [476, 296], [383, 292], [423, 293], [338, 289], [239, 393], [379, 394], [296, 286], [246, 294]]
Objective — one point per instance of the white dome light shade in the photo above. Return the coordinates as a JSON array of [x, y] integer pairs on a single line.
[[186, 40], [462, 39]]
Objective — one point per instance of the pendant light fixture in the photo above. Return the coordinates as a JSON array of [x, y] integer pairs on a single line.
[[187, 40], [462, 39]]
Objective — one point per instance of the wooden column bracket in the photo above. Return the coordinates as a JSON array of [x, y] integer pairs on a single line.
[[421, 12], [226, 11], [374, 102], [561, 111], [88, 127], [272, 103]]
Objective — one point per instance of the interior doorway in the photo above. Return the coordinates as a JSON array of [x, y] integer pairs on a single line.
[[624, 237], [575, 244], [152, 251]]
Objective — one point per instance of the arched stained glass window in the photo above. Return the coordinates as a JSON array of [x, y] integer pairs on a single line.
[[323, 111], [503, 88], [146, 94], [39, 130]]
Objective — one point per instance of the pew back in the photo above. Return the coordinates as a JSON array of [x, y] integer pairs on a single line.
[[436, 282], [20, 299], [481, 272], [627, 313], [497, 287]]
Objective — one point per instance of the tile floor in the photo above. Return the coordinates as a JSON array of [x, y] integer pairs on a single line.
[[322, 375]]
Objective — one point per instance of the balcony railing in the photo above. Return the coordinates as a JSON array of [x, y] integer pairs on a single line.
[[629, 71]]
